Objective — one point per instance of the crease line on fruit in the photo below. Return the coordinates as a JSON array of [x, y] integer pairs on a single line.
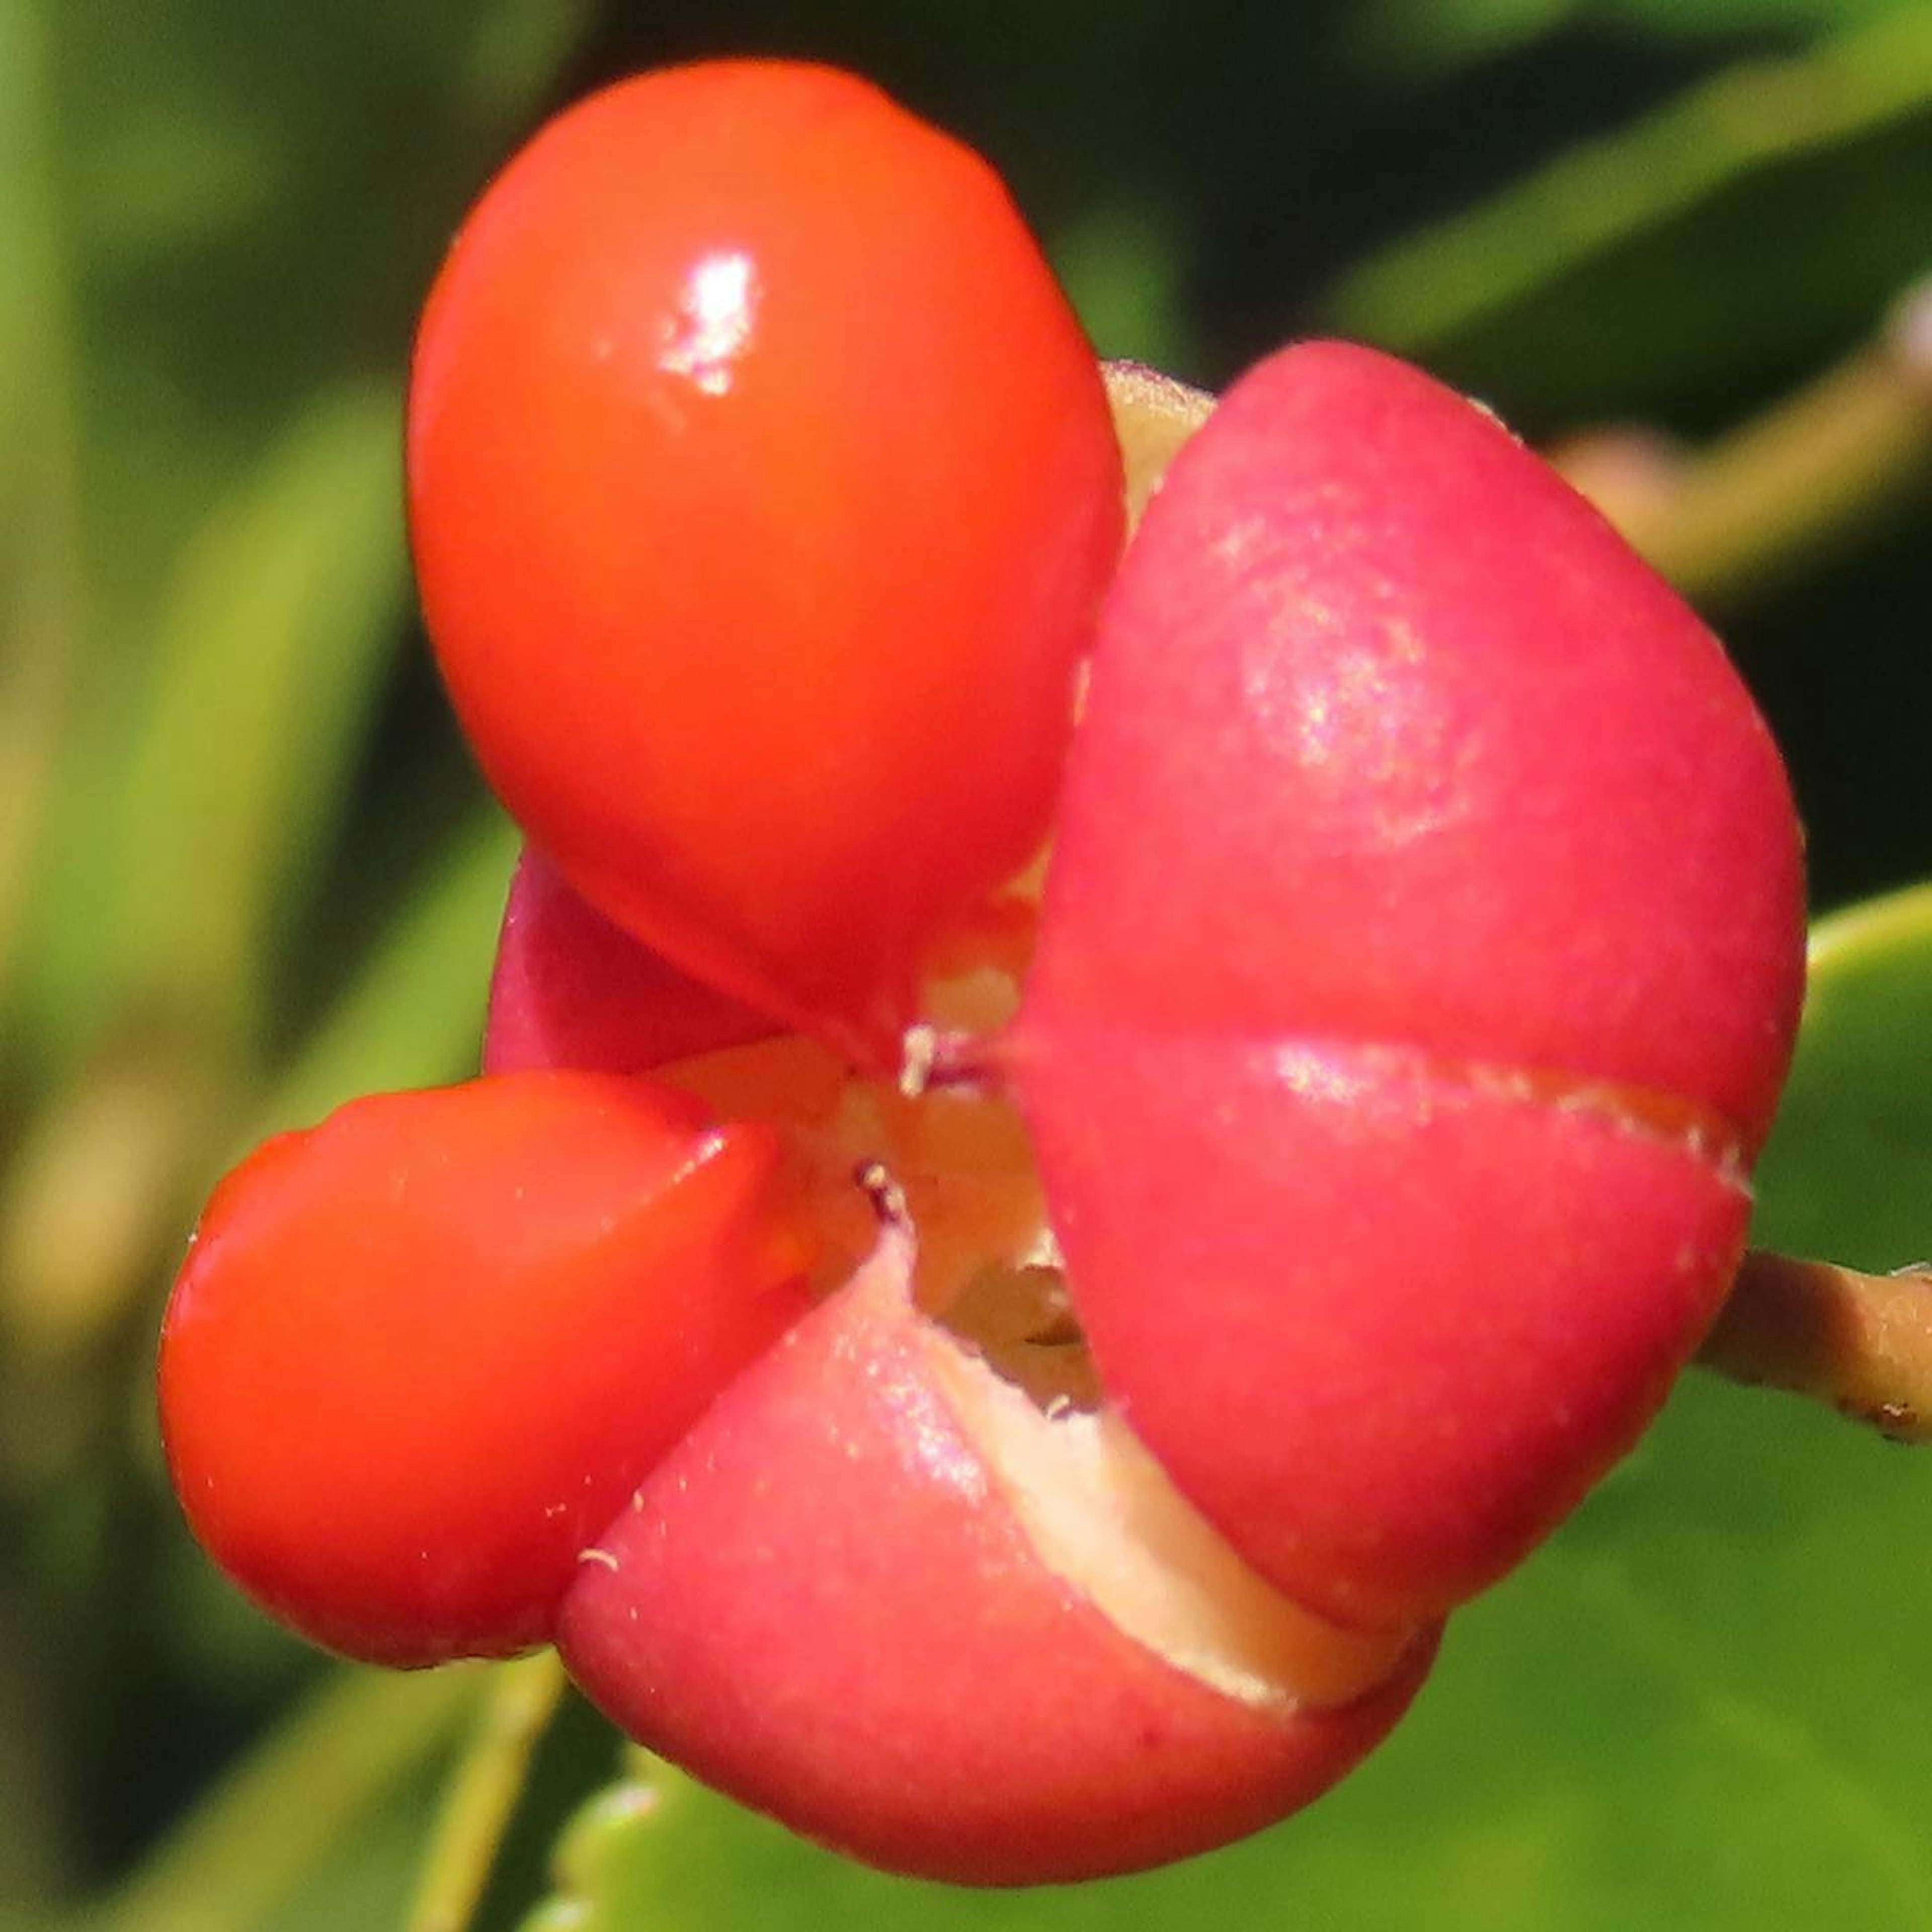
[[1643, 1113], [1104, 1517]]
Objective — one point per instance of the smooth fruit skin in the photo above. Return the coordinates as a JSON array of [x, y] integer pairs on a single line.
[[418, 1354], [762, 489], [1391, 738], [570, 988], [1417, 972], [1385, 1322], [822, 1604]]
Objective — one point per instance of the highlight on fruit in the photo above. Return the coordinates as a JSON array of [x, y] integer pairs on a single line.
[[1084, 1134]]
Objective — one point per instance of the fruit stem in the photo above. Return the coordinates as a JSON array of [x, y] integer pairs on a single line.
[[1854, 443], [483, 1793], [1861, 1342]]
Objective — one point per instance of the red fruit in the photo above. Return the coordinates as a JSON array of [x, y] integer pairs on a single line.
[[762, 488], [1383, 1320], [419, 1354], [1417, 970], [1420, 960], [959, 1639], [1391, 738], [572, 989]]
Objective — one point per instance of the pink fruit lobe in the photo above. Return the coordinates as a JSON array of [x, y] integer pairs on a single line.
[[1417, 973], [854, 1597], [571, 988]]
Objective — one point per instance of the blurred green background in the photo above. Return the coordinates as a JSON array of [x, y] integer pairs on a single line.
[[246, 871]]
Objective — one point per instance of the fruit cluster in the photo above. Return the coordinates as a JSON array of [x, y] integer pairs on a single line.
[[1008, 1377]]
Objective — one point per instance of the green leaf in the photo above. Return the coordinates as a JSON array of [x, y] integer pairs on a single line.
[[250, 203], [512, 45], [270, 645], [1688, 18], [39, 588], [1427, 37], [1847, 1175], [1121, 267], [272, 642], [1656, 264], [1414, 38], [490, 1780], [315, 1815], [413, 1016]]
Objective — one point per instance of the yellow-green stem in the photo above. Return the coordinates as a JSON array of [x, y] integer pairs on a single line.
[[482, 1796], [1747, 509]]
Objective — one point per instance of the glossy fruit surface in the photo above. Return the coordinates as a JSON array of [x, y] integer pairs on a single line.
[[762, 488], [1417, 970], [1385, 1325], [572, 988], [1418, 966], [899, 1657], [1391, 738], [420, 1354]]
